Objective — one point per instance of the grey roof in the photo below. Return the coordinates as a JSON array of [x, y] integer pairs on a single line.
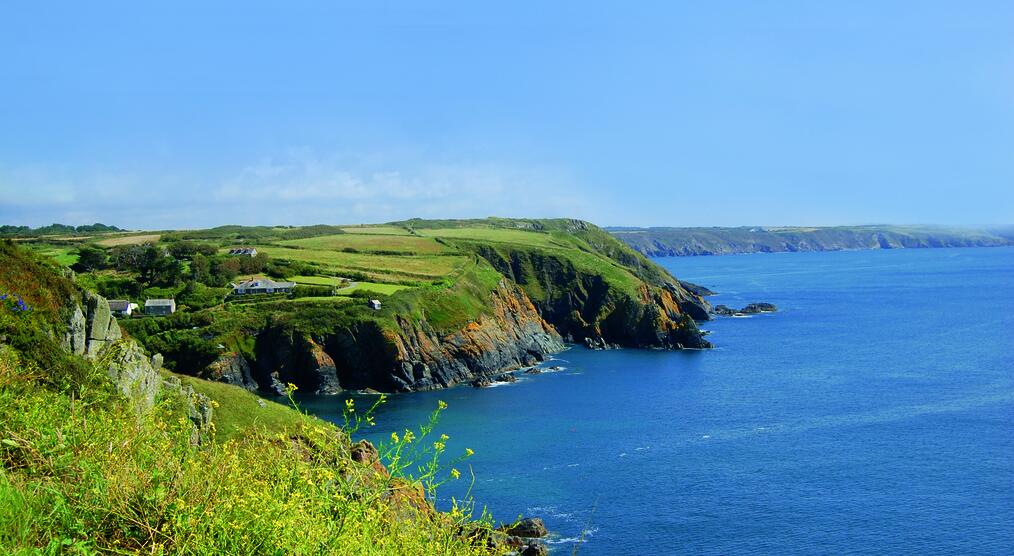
[[118, 304], [242, 251], [159, 302], [263, 283]]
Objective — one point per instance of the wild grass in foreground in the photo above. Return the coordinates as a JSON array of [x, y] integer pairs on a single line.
[[82, 473]]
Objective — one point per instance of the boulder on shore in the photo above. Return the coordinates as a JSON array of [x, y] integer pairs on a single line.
[[529, 527], [751, 309]]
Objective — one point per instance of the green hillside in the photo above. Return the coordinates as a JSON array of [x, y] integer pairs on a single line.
[[89, 468]]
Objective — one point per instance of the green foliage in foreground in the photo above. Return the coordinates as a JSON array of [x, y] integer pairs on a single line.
[[85, 475]]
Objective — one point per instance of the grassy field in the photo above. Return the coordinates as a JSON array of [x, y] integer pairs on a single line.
[[113, 241], [317, 280], [376, 230], [497, 235], [426, 267], [386, 289], [65, 255], [406, 244]]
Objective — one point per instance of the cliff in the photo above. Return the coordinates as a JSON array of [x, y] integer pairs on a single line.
[[411, 355], [512, 293], [103, 452], [678, 242]]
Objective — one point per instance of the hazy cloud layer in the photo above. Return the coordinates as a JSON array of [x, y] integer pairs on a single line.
[[296, 187]]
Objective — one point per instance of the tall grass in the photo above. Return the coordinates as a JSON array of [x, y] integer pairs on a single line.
[[85, 475]]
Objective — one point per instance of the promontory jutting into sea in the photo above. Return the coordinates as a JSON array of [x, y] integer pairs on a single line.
[[617, 376], [506, 278]]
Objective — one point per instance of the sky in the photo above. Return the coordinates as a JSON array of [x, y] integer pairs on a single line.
[[165, 115]]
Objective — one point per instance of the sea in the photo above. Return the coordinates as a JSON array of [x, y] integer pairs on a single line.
[[873, 413]]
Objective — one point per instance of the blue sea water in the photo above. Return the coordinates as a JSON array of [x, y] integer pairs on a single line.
[[873, 413]]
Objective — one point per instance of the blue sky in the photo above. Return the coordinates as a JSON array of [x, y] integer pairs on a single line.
[[674, 113]]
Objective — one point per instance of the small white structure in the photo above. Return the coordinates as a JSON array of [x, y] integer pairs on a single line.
[[122, 307], [374, 304], [243, 252], [161, 307], [262, 285]]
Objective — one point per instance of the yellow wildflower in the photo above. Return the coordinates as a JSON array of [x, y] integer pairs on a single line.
[[469, 452], [455, 473], [394, 437], [441, 404]]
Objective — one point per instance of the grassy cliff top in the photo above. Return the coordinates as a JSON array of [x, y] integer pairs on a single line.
[[438, 271]]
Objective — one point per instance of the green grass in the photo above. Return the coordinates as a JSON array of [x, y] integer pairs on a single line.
[[385, 289], [418, 267], [88, 475], [317, 280], [334, 299], [376, 230], [239, 413], [387, 243], [497, 235], [64, 255]]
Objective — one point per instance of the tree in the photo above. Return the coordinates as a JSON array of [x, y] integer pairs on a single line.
[[253, 265], [90, 258], [225, 269], [200, 269], [152, 264]]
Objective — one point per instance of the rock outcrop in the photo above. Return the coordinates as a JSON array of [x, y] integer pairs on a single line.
[[92, 328], [233, 369], [93, 332], [751, 309], [415, 357]]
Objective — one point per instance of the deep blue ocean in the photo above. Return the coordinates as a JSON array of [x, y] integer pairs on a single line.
[[873, 413]]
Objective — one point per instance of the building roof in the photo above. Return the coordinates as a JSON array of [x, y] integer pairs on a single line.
[[118, 304], [242, 251], [159, 302], [259, 283]]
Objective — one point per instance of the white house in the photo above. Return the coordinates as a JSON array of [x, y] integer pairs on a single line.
[[122, 307], [243, 251], [374, 304], [262, 285]]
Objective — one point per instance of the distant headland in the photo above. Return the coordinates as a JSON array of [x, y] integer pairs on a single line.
[[684, 242]]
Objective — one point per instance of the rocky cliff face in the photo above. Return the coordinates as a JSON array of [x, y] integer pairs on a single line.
[[543, 301], [415, 357], [583, 305]]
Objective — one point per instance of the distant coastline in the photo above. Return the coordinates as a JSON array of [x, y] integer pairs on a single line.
[[689, 242]]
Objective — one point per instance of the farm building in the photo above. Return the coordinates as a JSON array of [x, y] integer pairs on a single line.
[[375, 304], [262, 285], [122, 307], [243, 252], [160, 306]]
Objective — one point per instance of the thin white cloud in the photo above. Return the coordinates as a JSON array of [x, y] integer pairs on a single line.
[[295, 187]]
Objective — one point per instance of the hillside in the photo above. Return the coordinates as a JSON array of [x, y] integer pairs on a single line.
[[101, 452], [460, 300], [679, 242]]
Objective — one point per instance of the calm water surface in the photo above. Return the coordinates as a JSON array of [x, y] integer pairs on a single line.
[[874, 413]]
